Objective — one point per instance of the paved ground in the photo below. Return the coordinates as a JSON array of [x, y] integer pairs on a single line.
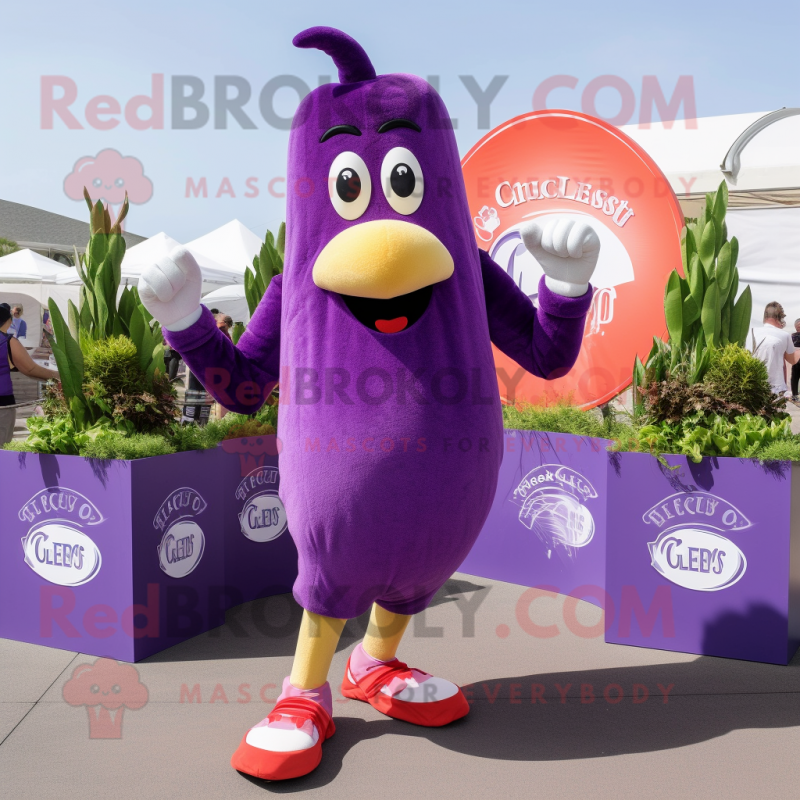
[[618, 722]]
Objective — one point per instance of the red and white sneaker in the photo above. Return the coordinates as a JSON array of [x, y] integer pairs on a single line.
[[394, 689], [288, 743]]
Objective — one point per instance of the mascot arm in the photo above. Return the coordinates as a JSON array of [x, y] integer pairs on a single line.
[[239, 377], [546, 340]]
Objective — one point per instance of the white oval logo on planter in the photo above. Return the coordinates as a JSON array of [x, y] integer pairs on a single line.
[[181, 548], [697, 559], [61, 554], [263, 517]]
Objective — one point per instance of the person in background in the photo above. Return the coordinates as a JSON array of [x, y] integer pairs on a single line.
[[13, 356], [224, 323], [172, 362], [19, 328], [796, 367], [774, 346]]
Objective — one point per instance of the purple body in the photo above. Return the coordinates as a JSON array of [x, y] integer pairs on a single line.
[[706, 558], [547, 525], [391, 442]]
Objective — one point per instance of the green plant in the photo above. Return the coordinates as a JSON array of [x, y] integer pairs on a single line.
[[702, 435], [737, 376], [266, 265], [251, 427], [781, 450], [100, 314], [559, 418], [700, 308], [196, 437], [58, 436], [7, 246], [119, 446], [101, 318]]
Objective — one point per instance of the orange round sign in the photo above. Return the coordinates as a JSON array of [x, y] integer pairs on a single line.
[[570, 164]]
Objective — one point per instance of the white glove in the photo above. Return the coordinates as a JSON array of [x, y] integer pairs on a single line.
[[567, 251], [171, 289]]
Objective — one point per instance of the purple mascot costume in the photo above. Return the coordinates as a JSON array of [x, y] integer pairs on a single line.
[[380, 332]]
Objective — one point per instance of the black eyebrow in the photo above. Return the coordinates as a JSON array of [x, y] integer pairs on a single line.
[[399, 123], [336, 129]]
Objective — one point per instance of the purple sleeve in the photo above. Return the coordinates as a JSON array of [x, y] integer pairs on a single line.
[[239, 377], [546, 340]]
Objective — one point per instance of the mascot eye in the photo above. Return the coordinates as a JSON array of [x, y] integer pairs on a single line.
[[349, 185], [402, 181], [120, 182], [97, 182]]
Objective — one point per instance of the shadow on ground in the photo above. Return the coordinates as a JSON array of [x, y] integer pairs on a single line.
[[505, 728], [267, 628]]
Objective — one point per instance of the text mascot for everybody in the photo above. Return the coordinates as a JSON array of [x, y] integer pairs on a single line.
[[380, 329]]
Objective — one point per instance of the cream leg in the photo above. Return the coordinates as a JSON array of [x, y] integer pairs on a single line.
[[384, 632], [316, 645]]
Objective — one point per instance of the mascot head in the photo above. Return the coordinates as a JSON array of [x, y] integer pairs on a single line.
[[377, 213]]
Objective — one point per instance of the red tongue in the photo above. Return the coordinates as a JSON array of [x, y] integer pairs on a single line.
[[391, 325]]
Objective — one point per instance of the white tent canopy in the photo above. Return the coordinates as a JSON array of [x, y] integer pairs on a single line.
[[34, 298], [148, 252], [151, 250], [229, 300], [232, 247], [25, 266], [757, 154]]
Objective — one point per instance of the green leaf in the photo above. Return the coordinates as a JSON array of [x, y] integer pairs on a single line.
[[721, 204], [740, 318], [725, 325], [102, 305], [137, 326], [701, 363], [638, 381], [687, 252], [710, 314], [734, 290], [691, 313], [87, 322], [673, 307], [280, 242], [707, 249], [96, 251], [249, 291], [697, 281], [734, 251], [724, 272], [147, 348], [74, 319], [69, 357], [116, 252], [116, 326], [157, 362], [145, 313]]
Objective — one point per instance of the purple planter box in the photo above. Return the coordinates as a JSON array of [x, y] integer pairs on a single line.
[[110, 558], [704, 558], [260, 556], [547, 525]]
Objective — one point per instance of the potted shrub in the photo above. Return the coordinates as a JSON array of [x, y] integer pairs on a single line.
[[703, 547]]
